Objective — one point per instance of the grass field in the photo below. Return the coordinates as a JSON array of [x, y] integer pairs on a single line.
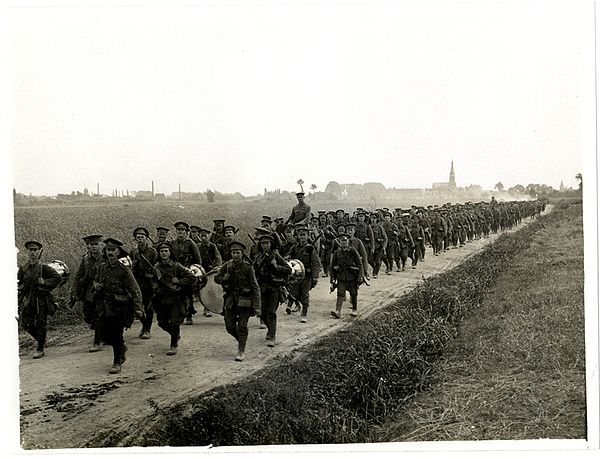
[[518, 369]]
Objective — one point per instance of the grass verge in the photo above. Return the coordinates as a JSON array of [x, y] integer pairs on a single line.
[[518, 369]]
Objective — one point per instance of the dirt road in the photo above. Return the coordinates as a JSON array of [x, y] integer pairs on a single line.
[[68, 399]]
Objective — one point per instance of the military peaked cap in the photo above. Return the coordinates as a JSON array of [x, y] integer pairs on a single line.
[[179, 224], [30, 244], [141, 229], [236, 245], [92, 238]]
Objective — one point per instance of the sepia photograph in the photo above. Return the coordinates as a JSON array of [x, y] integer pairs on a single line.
[[300, 227]]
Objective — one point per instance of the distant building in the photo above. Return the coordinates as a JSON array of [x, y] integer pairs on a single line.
[[142, 194], [450, 185]]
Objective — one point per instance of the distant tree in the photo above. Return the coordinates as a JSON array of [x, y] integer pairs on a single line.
[[210, 196], [531, 190], [517, 189], [333, 188], [313, 187], [498, 186], [301, 182], [579, 178]]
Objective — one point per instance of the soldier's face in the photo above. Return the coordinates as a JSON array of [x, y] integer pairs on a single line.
[[265, 245], [93, 247], [141, 239], [302, 237], [361, 218], [34, 253], [350, 232], [112, 253], [181, 233], [344, 243], [300, 198], [162, 235], [229, 234], [164, 253], [204, 237], [236, 255]]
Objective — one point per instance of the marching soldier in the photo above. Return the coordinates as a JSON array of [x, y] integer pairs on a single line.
[[218, 231], [210, 255], [224, 249], [241, 296], [143, 258], [195, 234], [271, 271], [300, 212], [391, 231], [405, 242], [364, 232], [35, 284], [81, 287], [186, 252], [380, 244], [346, 275], [118, 298], [309, 257], [418, 236], [170, 296], [357, 244]]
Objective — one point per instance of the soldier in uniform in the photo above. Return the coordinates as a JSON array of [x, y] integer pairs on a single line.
[[405, 242], [271, 271], [418, 236], [81, 287], [391, 231], [143, 258], [357, 244], [161, 236], [364, 232], [288, 240], [380, 244], [210, 255], [309, 257], [218, 231], [267, 223], [241, 296], [300, 212], [170, 298], [346, 275], [186, 252], [228, 234], [195, 234], [35, 284], [118, 298]]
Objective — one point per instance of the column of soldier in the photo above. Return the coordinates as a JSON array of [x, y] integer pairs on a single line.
[[332, 244]]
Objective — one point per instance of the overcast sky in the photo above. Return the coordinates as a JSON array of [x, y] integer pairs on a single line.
[[247, 97]]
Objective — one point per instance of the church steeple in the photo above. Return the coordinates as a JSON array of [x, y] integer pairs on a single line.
[[452, 181]]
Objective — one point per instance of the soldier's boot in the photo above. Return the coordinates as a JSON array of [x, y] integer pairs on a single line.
[[39, 353], [241, 356], [338, 308], [115, 369], [123, 352], [207, 313], [354, 301]]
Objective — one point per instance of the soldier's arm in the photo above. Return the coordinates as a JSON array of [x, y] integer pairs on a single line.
[[251, 277], [359, 264], [222, 271], [332, 271], [196, 257], [133, 288], [306, 218], [218, 260], [315, 264], [51, 279], [184, 275], [282, 266], [77, 278]]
